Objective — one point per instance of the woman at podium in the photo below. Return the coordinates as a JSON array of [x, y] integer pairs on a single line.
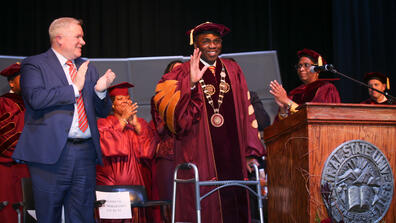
[[313, 89]]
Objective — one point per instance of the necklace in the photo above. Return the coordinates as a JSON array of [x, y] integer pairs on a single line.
[[217, 120]]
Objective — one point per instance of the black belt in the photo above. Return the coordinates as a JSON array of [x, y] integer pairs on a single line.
[[78, 140]]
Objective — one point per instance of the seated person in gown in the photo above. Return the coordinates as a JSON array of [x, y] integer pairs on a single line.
[[313, 89], [125, 139], [380, 82], [12, 112]]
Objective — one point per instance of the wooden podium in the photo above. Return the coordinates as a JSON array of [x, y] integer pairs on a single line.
[[299, 146]]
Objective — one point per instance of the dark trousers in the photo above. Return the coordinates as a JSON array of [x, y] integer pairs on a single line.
[[69, 182]]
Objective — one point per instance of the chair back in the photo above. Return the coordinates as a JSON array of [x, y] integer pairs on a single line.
[[137, 193]]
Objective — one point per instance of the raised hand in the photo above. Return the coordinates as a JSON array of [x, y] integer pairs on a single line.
[[105, 81], [79, 80], [195, 73]]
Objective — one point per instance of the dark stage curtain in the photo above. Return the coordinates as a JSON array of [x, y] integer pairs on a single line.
[[133, 28], [354, 35], [364, 37]]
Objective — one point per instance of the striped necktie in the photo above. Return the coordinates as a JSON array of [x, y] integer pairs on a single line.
[[82, 116], [212, 69]]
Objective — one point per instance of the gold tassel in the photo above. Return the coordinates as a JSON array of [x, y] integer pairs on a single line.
[[387, 83], [192, 31], [191, 37], [320, 61]]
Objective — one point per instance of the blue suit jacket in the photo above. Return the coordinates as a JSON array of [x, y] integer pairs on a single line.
[[49, 101]]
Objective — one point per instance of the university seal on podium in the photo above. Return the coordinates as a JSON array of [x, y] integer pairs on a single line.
[[358, 182]]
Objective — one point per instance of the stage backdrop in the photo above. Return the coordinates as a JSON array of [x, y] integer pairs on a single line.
[[144, 72]]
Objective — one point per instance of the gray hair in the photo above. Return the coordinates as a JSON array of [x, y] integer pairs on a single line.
[[59, 24]]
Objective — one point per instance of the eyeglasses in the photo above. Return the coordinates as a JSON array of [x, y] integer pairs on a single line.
[[305, 65]]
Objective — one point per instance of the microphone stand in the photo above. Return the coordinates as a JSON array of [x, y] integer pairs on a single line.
[[331, 69]]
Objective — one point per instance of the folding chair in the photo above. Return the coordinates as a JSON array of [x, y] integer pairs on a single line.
[[219, 184]]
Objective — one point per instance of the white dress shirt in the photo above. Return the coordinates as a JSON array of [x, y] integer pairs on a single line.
[[75, 131]]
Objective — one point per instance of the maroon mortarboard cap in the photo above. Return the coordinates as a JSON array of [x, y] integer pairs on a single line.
[[375, 75], [313, 55], [120, 89], [13, 69], [379, 76], [221, 29]]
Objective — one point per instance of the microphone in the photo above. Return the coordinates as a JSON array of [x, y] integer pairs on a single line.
[[330, 68], [3, 204], [317, 69]]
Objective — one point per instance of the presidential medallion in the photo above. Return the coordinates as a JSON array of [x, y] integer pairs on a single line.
[[359, 183], [217, 120], [210, 89], [225, 87]]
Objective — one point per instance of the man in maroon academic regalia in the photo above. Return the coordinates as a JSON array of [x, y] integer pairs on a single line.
[[209, 112], [313, 89], [380, 82], [12, 111], [125, 139]]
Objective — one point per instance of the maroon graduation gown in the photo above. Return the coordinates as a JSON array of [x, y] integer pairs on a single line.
[[122, 149], [219, 153], [12, 111], [370, 101]]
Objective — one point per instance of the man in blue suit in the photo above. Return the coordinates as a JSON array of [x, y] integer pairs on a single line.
[[63, 95]]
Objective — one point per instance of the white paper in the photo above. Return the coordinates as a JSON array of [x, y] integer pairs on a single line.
[[33, 214], [117, 205]]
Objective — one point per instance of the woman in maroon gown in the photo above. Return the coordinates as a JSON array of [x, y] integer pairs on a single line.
[[125, 140], [313, 89]]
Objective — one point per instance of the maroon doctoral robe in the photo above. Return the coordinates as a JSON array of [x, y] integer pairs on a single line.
[[12, 111], [317, 91], [219, 153]]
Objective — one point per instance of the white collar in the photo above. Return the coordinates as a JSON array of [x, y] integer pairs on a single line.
[[206, 64], [60, 57]]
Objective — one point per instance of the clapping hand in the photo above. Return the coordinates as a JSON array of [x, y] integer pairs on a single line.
[[79, 80], [105, 81], [279, 94]]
